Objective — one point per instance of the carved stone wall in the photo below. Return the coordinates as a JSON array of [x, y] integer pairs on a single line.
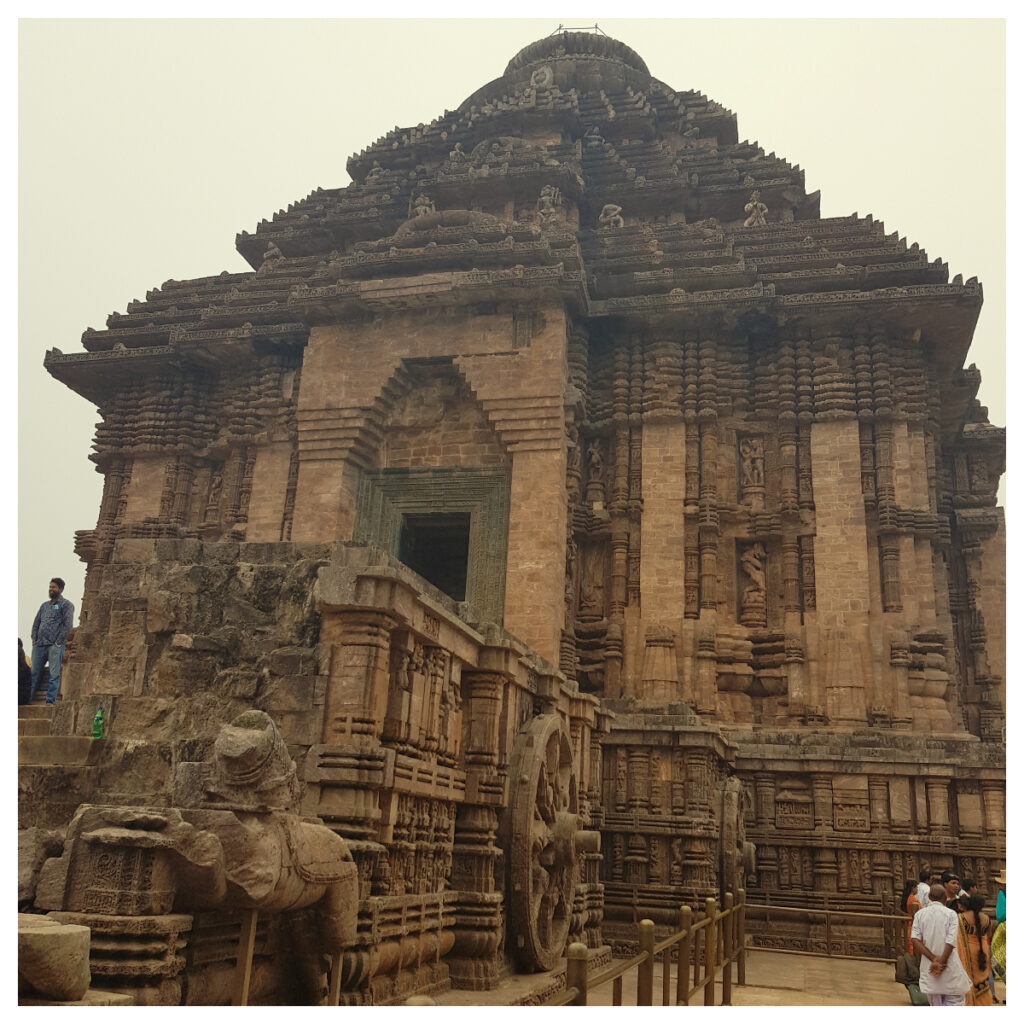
[[670, 834]]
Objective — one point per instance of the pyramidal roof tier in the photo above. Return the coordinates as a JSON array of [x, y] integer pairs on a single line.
[[576, 173]]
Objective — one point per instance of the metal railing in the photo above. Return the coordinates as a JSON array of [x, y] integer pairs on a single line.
[[893, 929], [723, 945]]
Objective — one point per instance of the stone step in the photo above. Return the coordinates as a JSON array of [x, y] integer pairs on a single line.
[[35, 711], [58, 750], [33, 726]]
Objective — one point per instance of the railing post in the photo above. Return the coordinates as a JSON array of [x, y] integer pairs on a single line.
[[243, 963], [741, 927], [334, 988], [576, 972], [727, 922], [697, 947], [645, 972], [709, 952], [683, 969]]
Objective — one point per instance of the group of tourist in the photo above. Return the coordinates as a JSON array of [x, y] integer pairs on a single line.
[[950, 932], [53, 622]]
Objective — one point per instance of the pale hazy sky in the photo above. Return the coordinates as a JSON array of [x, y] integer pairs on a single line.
[[145, 146]]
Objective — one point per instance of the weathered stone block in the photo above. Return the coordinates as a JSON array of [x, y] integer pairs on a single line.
[[35, 845], [292, 661], [53, 958]]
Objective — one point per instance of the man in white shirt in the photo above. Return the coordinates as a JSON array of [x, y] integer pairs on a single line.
[[933, 935], [923, 885]]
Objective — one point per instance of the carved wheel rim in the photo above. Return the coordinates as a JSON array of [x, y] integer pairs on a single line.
[[544, 819]]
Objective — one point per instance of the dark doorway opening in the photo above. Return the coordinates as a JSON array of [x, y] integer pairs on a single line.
[[437, 547]]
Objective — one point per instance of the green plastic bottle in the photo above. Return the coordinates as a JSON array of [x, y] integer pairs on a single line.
[[97, 724]]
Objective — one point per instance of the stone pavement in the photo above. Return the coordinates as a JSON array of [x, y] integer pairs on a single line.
[[773, 979]]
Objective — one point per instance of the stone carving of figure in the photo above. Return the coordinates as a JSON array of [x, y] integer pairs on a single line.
[[422, 205], [213, 501], [573, 463], [549, 205], [691, 134], [752, 462], [570, 572], [456, 158], [592, 589], [500, 152], [239, 845], [620, 780], [756, 211], [979, 476], [396, 723], [451, 705], [655, 859], [375, 173], [755, 601], [271, 258], [610, 216], [595, 473]]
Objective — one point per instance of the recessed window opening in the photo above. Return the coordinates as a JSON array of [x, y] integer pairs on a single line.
[[437, 547]]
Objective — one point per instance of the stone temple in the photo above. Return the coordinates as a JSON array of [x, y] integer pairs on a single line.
[[559, 523]]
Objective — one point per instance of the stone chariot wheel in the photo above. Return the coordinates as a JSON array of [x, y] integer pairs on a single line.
[[544, 842]]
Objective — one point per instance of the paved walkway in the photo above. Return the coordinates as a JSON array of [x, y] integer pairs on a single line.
[[773, 979]]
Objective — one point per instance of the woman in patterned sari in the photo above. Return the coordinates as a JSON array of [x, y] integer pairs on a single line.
[[911, 905], [972, 945]]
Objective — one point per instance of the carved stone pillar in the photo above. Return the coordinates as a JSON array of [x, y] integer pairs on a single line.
[[475, 961], [805, 417], [698, 783], [791, 573], [890, 554], [938, 803], [483, 692], [789, 488], [346, 770], [764, 800], [638, 779], [768, 868], [706, 687], [357, 685], [821, 789], [993, 801], [881, 872], [825, 869], [620, 549], [692, 463], [691, 581], [878, 802], [899, 660], [708, 522]]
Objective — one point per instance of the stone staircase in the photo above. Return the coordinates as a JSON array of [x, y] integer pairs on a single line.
[[55, 772], [34, 719], [37, 746]]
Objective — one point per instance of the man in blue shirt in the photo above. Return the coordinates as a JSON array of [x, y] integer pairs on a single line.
[[50, 631]]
